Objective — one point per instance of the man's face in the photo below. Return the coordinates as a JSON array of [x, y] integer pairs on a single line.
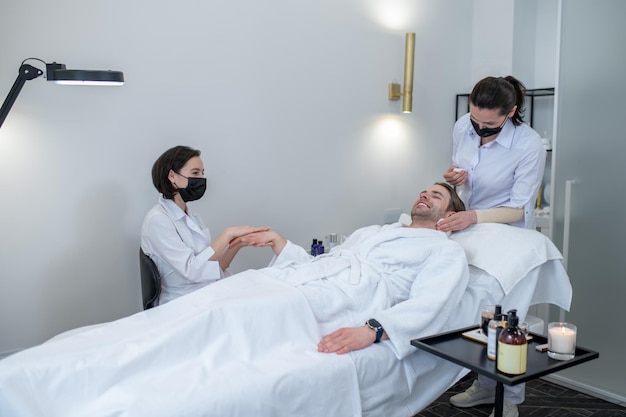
[[432, 203]]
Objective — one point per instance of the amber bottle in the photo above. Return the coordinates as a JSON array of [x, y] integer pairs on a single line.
[[512, 347]]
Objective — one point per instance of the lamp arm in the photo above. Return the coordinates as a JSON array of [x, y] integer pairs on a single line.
[[25, 73]]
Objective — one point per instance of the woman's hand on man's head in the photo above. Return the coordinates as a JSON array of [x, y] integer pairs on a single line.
[[455, 176]]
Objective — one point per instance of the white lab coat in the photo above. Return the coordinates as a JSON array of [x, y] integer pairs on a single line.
[[180, 246]]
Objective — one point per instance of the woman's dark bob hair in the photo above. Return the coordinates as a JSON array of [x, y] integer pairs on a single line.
[[172, 159]]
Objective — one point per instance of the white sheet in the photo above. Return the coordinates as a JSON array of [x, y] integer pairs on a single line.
[[247, 346]]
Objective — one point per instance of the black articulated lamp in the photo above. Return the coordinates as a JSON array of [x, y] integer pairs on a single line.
[[59, 74]]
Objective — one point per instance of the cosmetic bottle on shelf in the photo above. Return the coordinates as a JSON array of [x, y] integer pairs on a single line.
[[332, 240], [314, 247], [320, 247]]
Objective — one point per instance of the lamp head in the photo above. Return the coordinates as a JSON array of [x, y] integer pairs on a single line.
[[59, 74]]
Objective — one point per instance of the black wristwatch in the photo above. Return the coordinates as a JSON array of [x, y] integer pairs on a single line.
[[377, 327]]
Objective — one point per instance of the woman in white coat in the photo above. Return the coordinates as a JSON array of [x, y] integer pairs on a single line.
[[175, 237]]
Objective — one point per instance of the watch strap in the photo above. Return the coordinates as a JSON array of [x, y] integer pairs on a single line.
[[377, 328], [379, 334]]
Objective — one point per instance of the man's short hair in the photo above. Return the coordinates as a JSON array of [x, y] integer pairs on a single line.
[[456, 204]]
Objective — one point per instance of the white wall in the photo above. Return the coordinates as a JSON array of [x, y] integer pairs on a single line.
[[535, 62], [492, 39], [287, 100]]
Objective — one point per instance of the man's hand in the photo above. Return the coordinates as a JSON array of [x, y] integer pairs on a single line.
[[261, 238], [238, 231], [348, 339]]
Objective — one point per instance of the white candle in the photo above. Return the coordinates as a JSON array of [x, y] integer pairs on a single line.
[[562, 339]]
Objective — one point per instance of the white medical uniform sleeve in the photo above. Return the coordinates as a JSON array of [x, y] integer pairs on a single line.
[[528, 176], [168, 245]]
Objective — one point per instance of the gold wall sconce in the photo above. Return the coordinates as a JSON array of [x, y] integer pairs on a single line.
[[394, 88]]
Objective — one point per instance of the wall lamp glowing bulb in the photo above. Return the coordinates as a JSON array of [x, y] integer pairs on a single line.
[[59, 74], [394, 88]]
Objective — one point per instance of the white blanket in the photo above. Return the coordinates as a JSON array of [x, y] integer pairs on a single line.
[[243, 346]]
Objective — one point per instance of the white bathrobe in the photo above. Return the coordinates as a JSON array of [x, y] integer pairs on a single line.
[[246, 345], [409, 279]]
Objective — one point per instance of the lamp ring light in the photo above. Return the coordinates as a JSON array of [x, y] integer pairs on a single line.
[[59, 74]]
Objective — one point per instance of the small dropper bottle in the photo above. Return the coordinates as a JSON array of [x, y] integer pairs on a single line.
[[320, 247], [494, 328]]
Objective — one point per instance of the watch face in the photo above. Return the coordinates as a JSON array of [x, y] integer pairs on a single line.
[[374, 323]]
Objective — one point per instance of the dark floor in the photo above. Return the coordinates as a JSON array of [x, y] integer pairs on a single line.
[[543, 399]]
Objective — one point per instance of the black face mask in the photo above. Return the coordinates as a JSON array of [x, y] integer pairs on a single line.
[[487, 131], [195, 189]]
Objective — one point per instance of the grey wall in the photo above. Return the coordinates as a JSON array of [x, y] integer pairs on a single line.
[[287, 100], [589, 150]]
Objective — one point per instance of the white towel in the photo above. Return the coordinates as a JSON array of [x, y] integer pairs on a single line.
[[506, 252]]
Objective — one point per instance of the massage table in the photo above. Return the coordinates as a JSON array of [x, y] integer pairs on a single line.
[[247, 346]]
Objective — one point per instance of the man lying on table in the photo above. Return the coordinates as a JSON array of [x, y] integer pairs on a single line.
[[402, 281]]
